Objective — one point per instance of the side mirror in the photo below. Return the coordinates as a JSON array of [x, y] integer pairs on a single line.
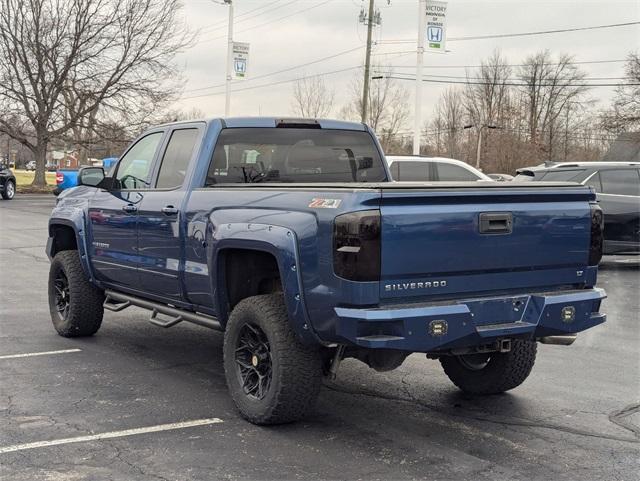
[[91, 176]]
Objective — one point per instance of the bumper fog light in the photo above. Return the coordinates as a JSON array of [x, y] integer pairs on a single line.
[[568, 314], [437, 328]]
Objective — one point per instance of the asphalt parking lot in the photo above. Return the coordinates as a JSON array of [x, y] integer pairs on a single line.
[[68, 414]]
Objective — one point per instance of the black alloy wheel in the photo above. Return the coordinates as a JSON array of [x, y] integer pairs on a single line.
[[62, 295], [253, 361]]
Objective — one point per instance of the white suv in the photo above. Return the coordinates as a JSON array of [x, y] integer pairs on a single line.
[[432, 169]]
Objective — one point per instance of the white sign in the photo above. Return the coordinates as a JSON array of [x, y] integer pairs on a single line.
[[240, 60], [436, 26]]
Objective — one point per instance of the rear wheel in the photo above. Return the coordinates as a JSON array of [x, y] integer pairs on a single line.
[[75, 304], [494, 372], [9, 190], [272, 377]]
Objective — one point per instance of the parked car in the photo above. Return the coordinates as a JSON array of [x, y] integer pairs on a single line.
[[501, 177], [288, 236], [31, 165], [431, 169], [51, 166], [617, 185], [7, 182], [67, 178]]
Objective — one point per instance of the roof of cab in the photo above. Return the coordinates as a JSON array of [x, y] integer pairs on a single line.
[[266, 122]]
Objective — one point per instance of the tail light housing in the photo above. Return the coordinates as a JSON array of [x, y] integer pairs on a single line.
[[59, 178], [356, 246], [597, 235]]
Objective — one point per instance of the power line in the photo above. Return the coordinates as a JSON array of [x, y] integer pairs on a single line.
[[514, 84], [222, 23], [523, 34], [500, 82], [212, 94], [286, 69], [585, 62], [270, 21]]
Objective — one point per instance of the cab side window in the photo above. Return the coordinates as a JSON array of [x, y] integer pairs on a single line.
[[412, 171], [620, 182], [454, 173], [176, 158], [134, 169]]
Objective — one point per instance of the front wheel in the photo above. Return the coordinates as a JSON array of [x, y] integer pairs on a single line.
[[9, 190], [75, 304], [272, 377], [494, 372]]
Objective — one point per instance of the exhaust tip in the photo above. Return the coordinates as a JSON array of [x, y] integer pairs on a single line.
[[565, 340]]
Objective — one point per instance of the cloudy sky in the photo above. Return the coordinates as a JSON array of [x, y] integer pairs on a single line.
[[285, 34]]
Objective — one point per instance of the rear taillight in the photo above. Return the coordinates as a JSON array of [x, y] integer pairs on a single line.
[[356, 244], [59, 178], [597, 235]]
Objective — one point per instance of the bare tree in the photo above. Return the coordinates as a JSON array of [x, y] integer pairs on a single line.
[[487, 95], [312, 98], [65, 63], [624, 114], [449, 117], [388, 108], [550, 87]]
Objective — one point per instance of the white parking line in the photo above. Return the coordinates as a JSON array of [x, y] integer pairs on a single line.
[[45, 353], [111, 435]]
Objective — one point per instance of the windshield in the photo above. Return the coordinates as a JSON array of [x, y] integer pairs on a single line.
[[249, 155]]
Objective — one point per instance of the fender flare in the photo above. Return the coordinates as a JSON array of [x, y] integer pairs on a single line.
[[76, 222], [282, 243]]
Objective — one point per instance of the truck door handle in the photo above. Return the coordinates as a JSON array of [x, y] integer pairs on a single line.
[[169, 210], [129, 208], [496, 223]]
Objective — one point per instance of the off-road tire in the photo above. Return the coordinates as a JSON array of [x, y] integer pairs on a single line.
[[503, 372], [85, 309], [9, 193], [296, 370]]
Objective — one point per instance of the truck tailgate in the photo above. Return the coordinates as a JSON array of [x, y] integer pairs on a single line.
[[441, 242]]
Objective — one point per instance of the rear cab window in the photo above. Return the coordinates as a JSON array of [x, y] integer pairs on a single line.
[[252, 155]]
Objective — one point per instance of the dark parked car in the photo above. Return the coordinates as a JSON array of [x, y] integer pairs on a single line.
[[618, 191], [7, 182]]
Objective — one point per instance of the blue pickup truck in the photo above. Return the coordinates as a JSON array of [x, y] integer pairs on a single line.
[[287, 235]]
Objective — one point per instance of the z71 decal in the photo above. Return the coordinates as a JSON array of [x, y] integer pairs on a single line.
[[325, 203]]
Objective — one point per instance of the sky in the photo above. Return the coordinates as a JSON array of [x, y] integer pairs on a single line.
[[315, 29]]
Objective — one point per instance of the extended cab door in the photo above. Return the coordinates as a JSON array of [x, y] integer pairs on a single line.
[[160, 245], [113, 214]]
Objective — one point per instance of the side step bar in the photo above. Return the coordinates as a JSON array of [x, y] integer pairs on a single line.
[[117, 301]]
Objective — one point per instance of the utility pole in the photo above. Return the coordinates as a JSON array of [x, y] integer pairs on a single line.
[[227, 92], [417, 118], [367, 64]]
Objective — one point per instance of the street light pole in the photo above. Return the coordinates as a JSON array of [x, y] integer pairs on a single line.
[[417, 120], [479, 145], [227, 94], [367, 65], [479, 149]]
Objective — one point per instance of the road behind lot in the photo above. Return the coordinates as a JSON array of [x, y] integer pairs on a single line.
[[576, 418]]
